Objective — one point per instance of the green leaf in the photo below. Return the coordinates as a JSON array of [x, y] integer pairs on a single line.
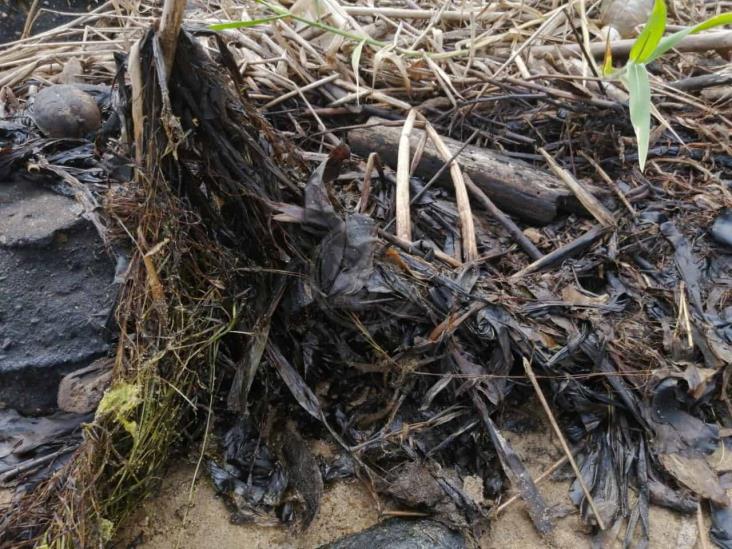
[[356, 64], [279, 10], [246, 24], [640, 108], [646, 43], [673, 40]]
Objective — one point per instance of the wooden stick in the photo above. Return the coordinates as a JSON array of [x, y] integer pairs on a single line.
[[411, 247], [703, 541], [169, 29], [10, 473], [504, 220], [467, 226], [138, 115], [694, 83], [403, 218], [32, 13], [560, 254], [371, 162], [696, 42], [542, 477], [592, 204], [483, 15], [563, 442], [514, 186]]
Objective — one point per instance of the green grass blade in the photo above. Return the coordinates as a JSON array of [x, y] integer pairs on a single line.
[[672, 41], [245, 24], [640, 108], [646, 43]]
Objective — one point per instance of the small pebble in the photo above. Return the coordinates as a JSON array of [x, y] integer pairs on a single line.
[[65, 111], [722, 228]]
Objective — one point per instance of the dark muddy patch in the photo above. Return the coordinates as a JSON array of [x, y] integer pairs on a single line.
[[50, 14]]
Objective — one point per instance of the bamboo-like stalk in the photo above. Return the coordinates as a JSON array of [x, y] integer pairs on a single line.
[[483, 15], [467, 225], [712, 41], [403, 217], [170, 28]]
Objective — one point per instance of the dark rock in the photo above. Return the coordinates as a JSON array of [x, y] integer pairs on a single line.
[[722, 228], [64, 110], [31, 215], [402, 534], [56, 295]]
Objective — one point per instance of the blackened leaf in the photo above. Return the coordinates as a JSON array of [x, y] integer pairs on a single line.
[[402, 534], [295, 383], [677, 430], [600, 476], [721, 531], [517, 473], [346, 256], [686, 263], [696, 474], [248, 366], [302, 469]]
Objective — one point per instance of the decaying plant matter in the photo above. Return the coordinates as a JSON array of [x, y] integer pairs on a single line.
[[265, 307]]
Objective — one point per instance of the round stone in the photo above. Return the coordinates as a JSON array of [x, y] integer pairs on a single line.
[[65, 111]]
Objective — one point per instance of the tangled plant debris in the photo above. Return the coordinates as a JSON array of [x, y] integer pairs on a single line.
[[260, 313]]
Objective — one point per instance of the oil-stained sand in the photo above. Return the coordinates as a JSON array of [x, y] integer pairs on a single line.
[[347, 507]]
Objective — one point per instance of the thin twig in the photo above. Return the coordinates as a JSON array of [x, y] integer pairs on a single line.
[[592, 204], [603, 174], [563, 442], [541, 478], [32, 12], [412, 248], [503, 219]]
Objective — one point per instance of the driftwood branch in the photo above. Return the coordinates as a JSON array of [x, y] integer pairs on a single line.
[[513, 185]]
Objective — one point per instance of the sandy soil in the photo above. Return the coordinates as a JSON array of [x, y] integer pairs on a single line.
[[514, 529], [348, 508]]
